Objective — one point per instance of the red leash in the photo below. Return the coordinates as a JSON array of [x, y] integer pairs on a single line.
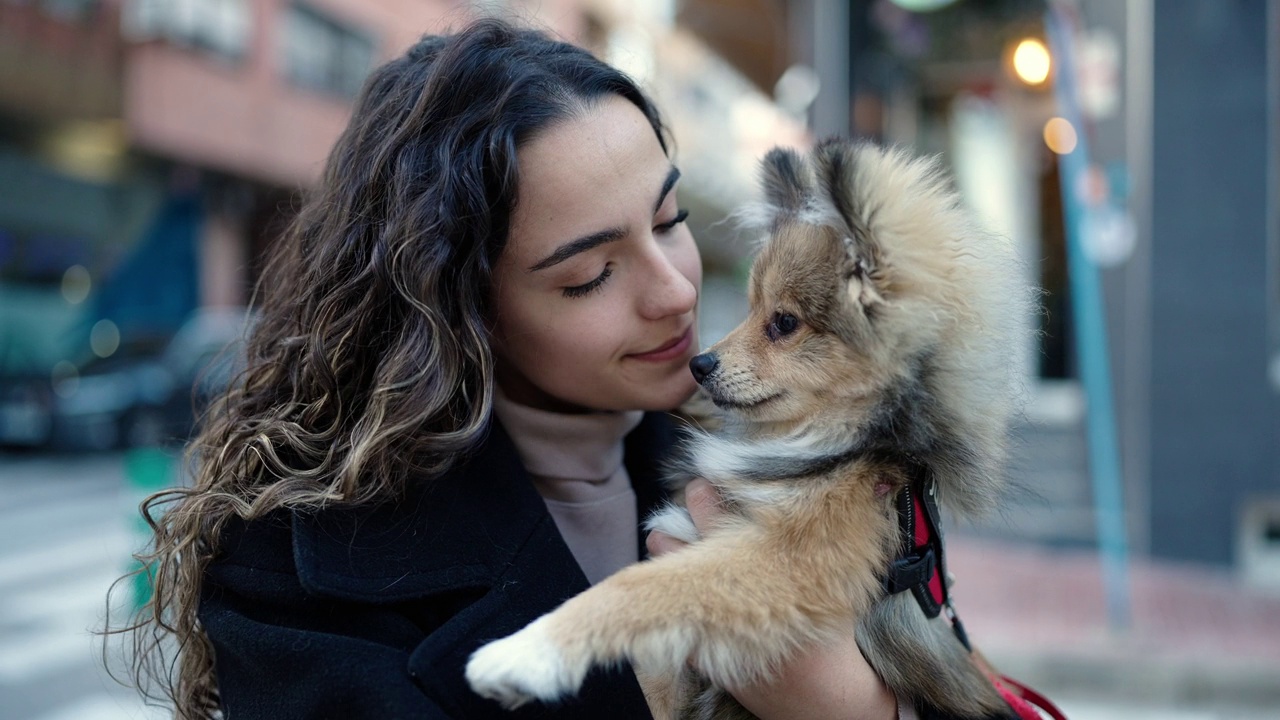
[[1026, 702]]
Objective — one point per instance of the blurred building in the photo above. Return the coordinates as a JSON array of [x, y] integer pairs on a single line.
[[1180, 105], [152, 150], [149, 150]]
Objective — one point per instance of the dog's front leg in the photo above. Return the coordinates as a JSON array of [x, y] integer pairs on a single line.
[[616, 619], [727, 603]]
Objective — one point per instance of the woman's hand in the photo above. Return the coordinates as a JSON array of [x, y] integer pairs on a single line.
[[823, 682]]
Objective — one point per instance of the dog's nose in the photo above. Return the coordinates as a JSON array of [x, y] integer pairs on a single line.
[[703, 365]]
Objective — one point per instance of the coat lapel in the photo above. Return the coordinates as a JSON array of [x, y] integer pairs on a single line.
[[483, 531]]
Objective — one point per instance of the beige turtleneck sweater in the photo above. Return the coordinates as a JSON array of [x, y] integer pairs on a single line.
[[576, 465]]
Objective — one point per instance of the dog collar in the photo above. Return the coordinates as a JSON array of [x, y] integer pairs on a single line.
[[919, 566]]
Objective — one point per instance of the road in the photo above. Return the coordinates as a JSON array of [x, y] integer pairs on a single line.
[[65, 536]]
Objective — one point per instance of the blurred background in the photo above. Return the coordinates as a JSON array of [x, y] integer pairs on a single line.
[[151, 151]]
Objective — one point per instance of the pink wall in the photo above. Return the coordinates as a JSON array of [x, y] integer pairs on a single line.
[[55, 70], [245, 118]]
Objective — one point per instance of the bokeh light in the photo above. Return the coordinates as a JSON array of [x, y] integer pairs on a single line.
[[66, 379], [104, 338], [1060, 135], [1031, 61], [76, 284]]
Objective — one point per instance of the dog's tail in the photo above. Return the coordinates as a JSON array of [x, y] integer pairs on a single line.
[[921, 659]]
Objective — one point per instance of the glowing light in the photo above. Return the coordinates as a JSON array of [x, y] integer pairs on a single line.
[[90, 149], [104, 338], [66, 379], [1031, 61], [922, 5], [76, 284], [1060, 136]]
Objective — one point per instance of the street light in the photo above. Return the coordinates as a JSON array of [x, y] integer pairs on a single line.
[[1031, 61]]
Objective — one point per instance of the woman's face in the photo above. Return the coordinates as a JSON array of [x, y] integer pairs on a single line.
[[597, 289]]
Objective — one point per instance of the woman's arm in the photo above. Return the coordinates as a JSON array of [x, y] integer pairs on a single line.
[[823, 683]]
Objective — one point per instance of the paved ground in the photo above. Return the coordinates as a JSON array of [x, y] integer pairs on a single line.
[[1201, 647], [1030, 590], [1197, 640]]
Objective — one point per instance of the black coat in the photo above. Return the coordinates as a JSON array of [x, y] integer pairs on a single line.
[[372, 612]]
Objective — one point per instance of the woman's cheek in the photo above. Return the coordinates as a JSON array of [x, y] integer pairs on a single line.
[[689, 261]]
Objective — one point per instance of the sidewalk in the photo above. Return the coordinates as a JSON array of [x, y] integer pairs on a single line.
[[1197, 637]]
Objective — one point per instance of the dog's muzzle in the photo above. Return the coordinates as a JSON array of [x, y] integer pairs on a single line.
[[703, 365]]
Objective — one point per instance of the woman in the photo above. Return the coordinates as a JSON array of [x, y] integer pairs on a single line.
[[453, 415]]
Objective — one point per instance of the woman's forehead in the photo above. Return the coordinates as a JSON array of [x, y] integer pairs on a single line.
[[598, 169]]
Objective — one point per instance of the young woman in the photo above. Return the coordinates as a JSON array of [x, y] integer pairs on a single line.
[[454, 411]]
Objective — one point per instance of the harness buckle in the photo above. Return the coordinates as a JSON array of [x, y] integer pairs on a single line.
[[908, 572]]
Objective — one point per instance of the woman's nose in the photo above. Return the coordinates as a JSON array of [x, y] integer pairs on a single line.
[[668, 291]]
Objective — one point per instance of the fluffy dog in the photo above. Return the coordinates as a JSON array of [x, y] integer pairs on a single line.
[[877, 350]]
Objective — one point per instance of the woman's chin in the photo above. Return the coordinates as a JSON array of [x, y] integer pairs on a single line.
[[673, 395]]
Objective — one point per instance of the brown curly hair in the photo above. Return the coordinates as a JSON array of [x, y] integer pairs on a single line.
[[370, 362]]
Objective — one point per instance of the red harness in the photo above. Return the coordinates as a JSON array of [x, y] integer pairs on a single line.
[[919, 568]]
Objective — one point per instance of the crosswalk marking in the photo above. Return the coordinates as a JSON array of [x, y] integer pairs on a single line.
[[65, 536], [28, 655], [82, 598], [104, 707], [24, 531], [105, 542], [17, 496]]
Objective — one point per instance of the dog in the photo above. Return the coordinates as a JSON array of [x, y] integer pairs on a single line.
[[874, 369]]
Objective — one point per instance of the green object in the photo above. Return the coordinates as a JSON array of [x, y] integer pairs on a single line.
[[147, 470]]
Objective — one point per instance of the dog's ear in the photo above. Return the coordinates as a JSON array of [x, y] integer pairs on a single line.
[[862, 276], [833, 161], [834, 164], [788, 184]]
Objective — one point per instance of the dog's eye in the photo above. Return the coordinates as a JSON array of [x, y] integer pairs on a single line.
[[782, 325]]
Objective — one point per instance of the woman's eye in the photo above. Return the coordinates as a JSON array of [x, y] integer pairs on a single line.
[[669, 226], [580, 290], [782, 325]]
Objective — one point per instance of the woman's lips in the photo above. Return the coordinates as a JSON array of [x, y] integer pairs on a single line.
[[673, 349]]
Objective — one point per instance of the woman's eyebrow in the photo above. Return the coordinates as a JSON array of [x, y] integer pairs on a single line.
[[672, 176], [586, 242], [582, 244]]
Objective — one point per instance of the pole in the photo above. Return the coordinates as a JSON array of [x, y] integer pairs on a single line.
[[1091, 335], [147, 470]]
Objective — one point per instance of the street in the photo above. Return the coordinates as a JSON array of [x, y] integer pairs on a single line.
[[67, 528], [65, 536]]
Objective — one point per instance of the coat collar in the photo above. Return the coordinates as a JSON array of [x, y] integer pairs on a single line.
[[465, 529]]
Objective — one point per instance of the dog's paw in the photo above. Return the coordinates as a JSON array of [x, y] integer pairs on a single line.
[[522, 667], [675, 521]]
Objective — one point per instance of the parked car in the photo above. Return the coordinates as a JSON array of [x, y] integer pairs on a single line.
[[36, 330], [149, 393], [26, 410]]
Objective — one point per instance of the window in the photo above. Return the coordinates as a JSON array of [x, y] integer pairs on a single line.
[[324, 55], [70, 10], [219, 26], [1258, 542]]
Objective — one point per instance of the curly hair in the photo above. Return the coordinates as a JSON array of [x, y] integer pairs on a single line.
[[370, 363]]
